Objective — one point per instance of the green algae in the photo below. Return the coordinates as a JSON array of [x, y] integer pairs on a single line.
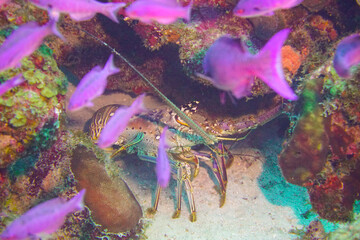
[[45, 50], [22, 166], [49, 92], [41, 141], [34, 77], [22, 104], [310, 102], [333, 84], [19, 119], [7, 31], [9, 102]]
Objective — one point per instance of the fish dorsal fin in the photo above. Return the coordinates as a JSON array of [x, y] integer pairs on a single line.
[[82, 16], [269, 14], [202, 76], [292, 4], [174, 3]]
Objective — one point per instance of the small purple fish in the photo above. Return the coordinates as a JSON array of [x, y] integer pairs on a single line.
[[161, 11], [230, 66], [9, 84], [23, 42], [347, 55], [118, 122], [92, 85], [163, 169], [255, 8], [46, 217], [2, 2], [79, 10]]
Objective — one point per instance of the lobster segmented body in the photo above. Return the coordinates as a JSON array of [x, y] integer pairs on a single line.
[[142, 137]]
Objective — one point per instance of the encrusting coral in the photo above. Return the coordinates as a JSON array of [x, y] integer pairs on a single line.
[[26, 109]]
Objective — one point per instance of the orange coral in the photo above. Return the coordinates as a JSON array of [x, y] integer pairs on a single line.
[[325, 27], [291, 59]]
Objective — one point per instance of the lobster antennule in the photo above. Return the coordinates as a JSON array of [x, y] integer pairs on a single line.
[[209, 139]]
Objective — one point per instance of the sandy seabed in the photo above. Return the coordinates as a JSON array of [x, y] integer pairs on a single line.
[[247, 214]]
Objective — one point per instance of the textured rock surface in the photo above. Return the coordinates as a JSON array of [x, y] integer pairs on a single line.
[[110, 200]]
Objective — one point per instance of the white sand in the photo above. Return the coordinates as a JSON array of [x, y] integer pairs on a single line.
[[245, 215]]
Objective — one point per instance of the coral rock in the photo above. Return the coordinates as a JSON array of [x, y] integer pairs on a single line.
[[111, 202]]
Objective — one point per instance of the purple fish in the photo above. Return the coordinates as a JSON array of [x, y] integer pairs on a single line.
[[163, 168], [255, 8], [23, 42], [118, 122], [161, 11], [46, 217], [2, 2], [79, 10], [347, 55], [9, 84], [230, 66], [92, 85]]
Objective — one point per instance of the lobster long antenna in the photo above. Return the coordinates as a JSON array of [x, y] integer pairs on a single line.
[[209, 139]]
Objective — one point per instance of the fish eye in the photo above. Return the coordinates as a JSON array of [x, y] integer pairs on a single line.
[[256, 9], [240, 11]]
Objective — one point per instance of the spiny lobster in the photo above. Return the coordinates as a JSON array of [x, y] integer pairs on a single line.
[[143, 132], [141, 137]]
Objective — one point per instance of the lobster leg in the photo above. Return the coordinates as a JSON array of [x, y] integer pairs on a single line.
[[183, 175], [179, 192], [189, 192], [230, 158], [153, 209], [226, 159], [193, 160], [220, 161], [218, 171]]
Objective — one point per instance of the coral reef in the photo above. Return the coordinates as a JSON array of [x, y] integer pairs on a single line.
[[36, 177], [38, 160], [324, 27], [328, 164], [305, 153], [291, 59], [27, 108]]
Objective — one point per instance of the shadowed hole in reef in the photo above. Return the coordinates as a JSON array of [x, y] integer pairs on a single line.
[[175, 84]]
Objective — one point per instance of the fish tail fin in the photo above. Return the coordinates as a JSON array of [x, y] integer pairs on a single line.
[[112, 9], [138, 104], [55, 30], [18, 79], [110, 67], [271, 70], [77, 202], [292, 4], [188, 11]]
